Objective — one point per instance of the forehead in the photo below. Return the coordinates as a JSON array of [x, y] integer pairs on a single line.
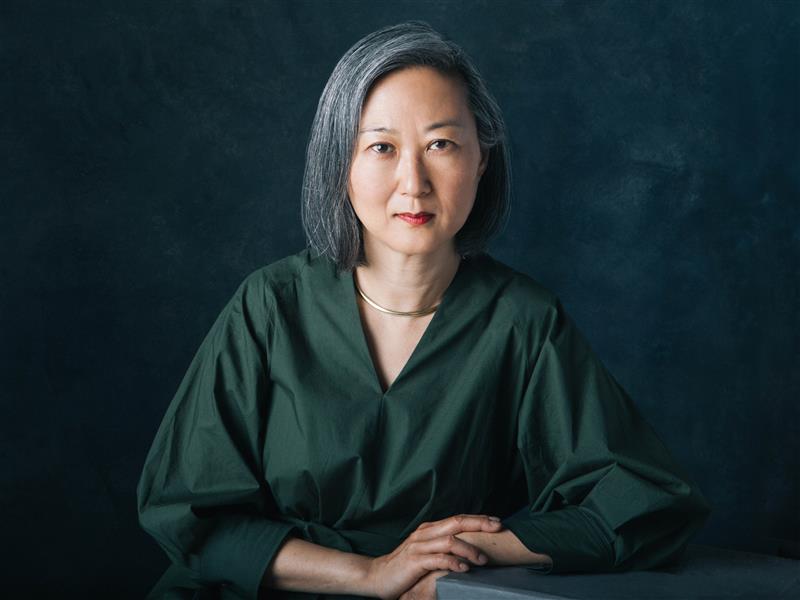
[[419, 91]]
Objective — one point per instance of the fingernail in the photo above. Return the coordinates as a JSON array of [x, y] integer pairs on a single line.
[[462, 566], [494, 519], [482, 558]]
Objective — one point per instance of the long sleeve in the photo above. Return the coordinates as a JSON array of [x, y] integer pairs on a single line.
[[604, 491], [202, 493]]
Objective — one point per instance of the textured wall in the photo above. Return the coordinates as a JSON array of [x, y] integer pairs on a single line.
[[152, 157]]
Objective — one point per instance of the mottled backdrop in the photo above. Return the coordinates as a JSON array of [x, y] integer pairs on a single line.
[[152, 155]]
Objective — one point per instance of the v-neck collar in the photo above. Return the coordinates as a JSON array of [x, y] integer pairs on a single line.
[[450, 298]]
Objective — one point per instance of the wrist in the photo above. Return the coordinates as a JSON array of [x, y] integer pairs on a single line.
[[480, 539], [362, 575], [302, 566], [503, 548]]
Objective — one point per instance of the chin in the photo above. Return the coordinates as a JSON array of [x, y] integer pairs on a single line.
[[418, 249], [413, 244]]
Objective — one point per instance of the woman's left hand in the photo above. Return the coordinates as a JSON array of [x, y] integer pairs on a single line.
[[425, 588]]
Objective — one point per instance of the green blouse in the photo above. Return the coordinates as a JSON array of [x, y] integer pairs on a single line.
[[280, 426]]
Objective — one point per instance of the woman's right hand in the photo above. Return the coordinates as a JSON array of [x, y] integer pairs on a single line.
[[431, 547]]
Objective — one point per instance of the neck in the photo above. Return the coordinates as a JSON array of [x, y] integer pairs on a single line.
[[405, 282]]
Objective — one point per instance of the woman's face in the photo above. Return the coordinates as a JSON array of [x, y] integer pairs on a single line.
[[416, 154]]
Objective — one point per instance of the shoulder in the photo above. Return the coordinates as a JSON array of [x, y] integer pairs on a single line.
[[518, 293], [287, 270], [273, 280]]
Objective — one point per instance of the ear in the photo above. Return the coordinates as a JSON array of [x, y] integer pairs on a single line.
[[484, 162]]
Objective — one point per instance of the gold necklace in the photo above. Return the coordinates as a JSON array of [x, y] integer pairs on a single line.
[[389, 311]]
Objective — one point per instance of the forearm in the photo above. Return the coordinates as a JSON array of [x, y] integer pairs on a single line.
[[503, 548], [303, 566]]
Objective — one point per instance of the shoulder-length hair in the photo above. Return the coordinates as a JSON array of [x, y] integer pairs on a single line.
[[331, 226]]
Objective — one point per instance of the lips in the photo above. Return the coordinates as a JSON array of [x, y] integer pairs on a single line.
[[416, 218]]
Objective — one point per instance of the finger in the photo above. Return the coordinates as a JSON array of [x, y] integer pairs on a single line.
[[429, 523], [426, 584], [457, 524], [443, 562], [460, 517], [440, 521], [452, 545], [434, 575]]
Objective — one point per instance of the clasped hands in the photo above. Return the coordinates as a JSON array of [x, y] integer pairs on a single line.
[[432, 551]]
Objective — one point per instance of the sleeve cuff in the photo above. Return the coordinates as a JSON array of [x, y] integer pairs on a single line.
[[574, 537], [239, 552]]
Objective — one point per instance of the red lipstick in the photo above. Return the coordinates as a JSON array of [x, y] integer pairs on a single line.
[[416, 218]]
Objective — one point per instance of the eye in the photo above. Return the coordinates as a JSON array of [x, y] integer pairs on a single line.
[[381, 148], [441, 145]]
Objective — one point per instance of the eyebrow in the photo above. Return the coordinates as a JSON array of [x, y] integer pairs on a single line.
[[438, 125]]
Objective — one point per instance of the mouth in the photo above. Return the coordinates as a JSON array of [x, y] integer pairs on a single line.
[[415, 218]]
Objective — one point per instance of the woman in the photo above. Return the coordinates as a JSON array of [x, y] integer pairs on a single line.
[[392, 403]]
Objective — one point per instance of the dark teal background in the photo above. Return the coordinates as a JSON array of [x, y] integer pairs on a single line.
[[152, 155]]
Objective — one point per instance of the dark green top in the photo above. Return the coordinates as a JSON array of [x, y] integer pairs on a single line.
[[281, 425]]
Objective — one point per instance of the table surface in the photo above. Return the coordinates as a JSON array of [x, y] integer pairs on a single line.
[[704, 572]]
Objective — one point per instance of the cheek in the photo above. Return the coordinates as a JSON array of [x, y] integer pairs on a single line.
[[368, 193], [458, 185], [366, 180]]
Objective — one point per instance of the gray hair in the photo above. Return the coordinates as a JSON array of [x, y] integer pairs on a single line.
[[331, 226]]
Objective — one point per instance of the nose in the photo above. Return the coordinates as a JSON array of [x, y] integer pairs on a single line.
[[413, 176]]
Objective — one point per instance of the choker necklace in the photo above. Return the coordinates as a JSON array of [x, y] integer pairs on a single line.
[[388, 311]]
